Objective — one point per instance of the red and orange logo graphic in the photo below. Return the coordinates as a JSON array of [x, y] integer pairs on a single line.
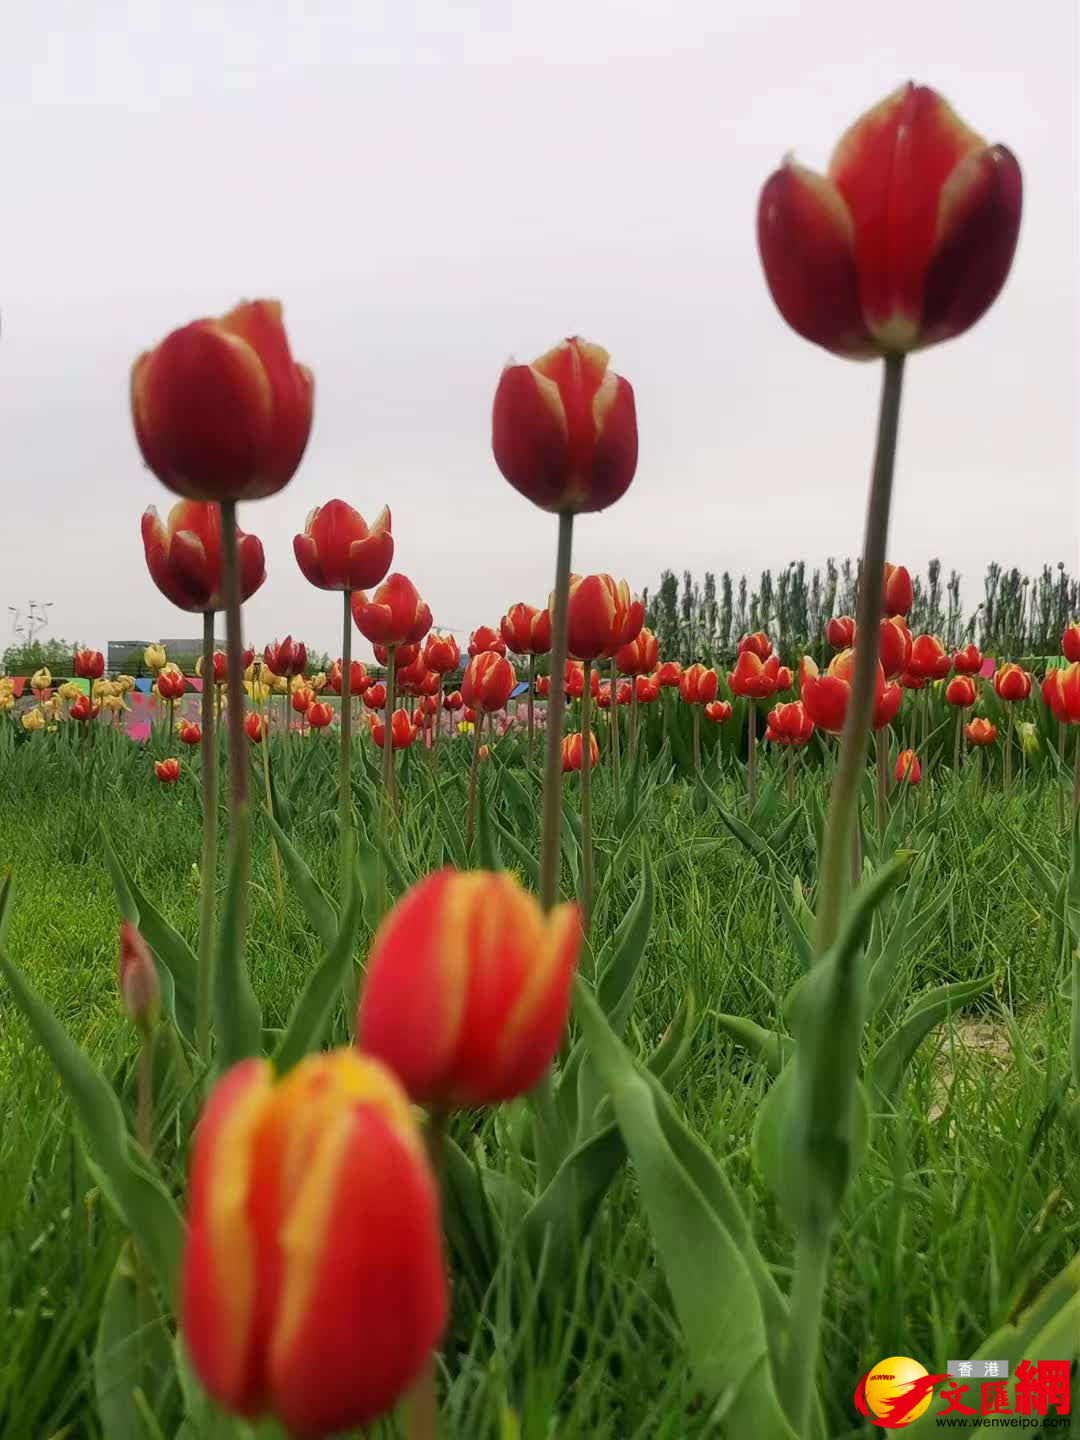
[[895, 1392]]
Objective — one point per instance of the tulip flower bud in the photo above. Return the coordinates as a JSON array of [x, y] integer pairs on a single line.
[[184, 559], [639, 655], [220, 410], [564, 429], [697, 685], [41, 679], [312, 1222], [908, 768], [154, 655], [718, 711], [928, 658], [82, 709], [375, 696], [255, 726], [402, 731], [753, 677], [789, 725], [89, 664], [825, 697], [1070, 641], [475, 959], [441, 653], [171, 684], [894, 646], [285, 657], [487, 682], [525, 630], [1011, 683], [1061, 692], [219, 667], [840, 632], [758, 644], [137, 977], [358, 678], [484, 638], [301, 699], [189, 733], [646, 689], [573, 754], [960, 691], [897, 595], [319, 715], [967, 661], [601, 616], [338, 550], [668, 675], [453, 700], [167, 771], [980, 731], [395, 614]]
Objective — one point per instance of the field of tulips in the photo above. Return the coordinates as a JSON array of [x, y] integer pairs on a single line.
[[553, 1038]]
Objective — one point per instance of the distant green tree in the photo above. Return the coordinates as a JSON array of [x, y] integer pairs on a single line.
[[25, 659]]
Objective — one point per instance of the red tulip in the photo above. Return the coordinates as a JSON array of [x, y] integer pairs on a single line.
[[960, 691], [543, 685], [218, 667], [697, 685], [646, 689], [412, 670], [912, 682], [603, 695], [564, 431], [339, 551], [402, 731], [572, 751], [136, 976], [718, 711], [928, 658], [89, 664], [256, 726], [319, 714], [171, 684], [825, 697], [574, 680], [468, 715], [285, 657], [906, 241], [427, 706], [375, 696], [487, 681], [967, 661], [526, 631], [840, 632], [639, 656], [189, 733], [980, 731], [184, 555], [601, 616], [484, 639], [668, 675], [441, 653], [1061, 691], [784, 678], [789, 725], [81, 709], [313, 1219], [886, 704], [758, 644], [404, 657], [453, 701], [623, 693], [908, 768], [167, 771], [1070, 641], [1011, 683], [894, 645], [753, 677], [395, 614], [897, 595], [221, 412], [301, 698], [359, 679]]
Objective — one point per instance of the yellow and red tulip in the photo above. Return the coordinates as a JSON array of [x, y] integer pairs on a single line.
[[183, 556], [573, 754], [825, 696], [753, 677], [486, 638], [88, 664], [189, 732], [453, 701], [526, 630], [757, 644], [441, 653], [1061, 692], [668, 674], [338, 550], [698, 685], [487, 682], [82, 709], [789, 725], [637, 656], [894, 646], [1011, 683], [256, 726], [171, 684], [375, 696], [928, 658], [359, 679], [980, 731], [319, 714], [601, 616], [908, 770], [402, 731], [395, 614], [167, 771], [1070, 641], [960, 691], [718, 711]]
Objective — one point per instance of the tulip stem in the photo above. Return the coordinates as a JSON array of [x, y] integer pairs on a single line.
[[632, 743], [470, 821], [531, 705], [345, 775], [751, 753], [239, 827], [881, 745], [550, 846], [956, 740], [388, 739], [172, 714], [144, 1089], [264, 746], [1076, 776], [1008, 753], [586, 801], [697, 741], [613, 725], [208, 878]]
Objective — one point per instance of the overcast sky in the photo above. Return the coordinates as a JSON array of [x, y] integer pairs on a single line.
[[432, 188]]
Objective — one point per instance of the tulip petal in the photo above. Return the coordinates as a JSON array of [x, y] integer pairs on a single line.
[[615, 451], [531, 1031], [259, 323], [529, 435], [307, 557], [252, 564], [369, 559]]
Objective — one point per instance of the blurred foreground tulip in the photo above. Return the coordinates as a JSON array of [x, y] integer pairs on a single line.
[[313, 1284], [339, 551], [905, 242], [167, 771], [286, 657], [526, 630], [980, 731], [395, 614], [1070, 641], [908, 768], [1011, 683], [573, 752], [136, 975], [88, 664], [183, 556], [487, 682], [967, 661], [221, 412], [1061, 692], [840, 632]]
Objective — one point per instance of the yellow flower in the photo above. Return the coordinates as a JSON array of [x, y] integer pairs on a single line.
[[7, 685], [256, 690], [154, 657], [7, 700], [124, 683], [103, 688], [297, 683], [69, 690], [114, 702], [318, 682], [278, 683], [41, 679], [33, 720]]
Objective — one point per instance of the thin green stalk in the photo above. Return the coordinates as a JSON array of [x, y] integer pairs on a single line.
[[531, 705], [208, 875], [751, 753], [388, 750], [956, 741], [345, 832], [632, 744], [239, 828], [613, 726], [1076, 776], [470, 820], [697, 740], [550, 837], [144, 1089], [586, 801], [881, 746]]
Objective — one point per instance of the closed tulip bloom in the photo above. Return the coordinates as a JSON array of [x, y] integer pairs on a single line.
[[908, 768], [402, 731], [785, 679], [41, 679], [526, 630], [358, 677], [894, 645], [574, 680], [487, 682], [753, 677], [302, 699], [603, 696], [600, 616], [431, 684], [840, 632], [825, 696], [427, 706], [910, 681], [404, 656], [395, 614], [639, 656], [960, 691], [81, 709], [757, 644], [89, 664], [1070, 641], [136, 976], [646, 689], [453, 701], [928, 658], [171, 685], [256, 726], [286, 657], [486, 638], [154, 655], [1061, 692], [897, 594], [189, 733], [543, 685], [221, 412], [375, 696], [468, 715], [718, 711], [167, 771], [668, 674], [183, 556], [1011, 683], [33, 720], [319, 714], [572, 752], [313, 1220], [624, 693], [338, 550], [564, 429], [980, 731], [886, 704], [218, 667], [789, 725], [967, 661], [698, 685], [905, 242], [441, 653]]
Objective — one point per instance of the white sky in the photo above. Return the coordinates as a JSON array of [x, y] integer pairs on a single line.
[[431, 188]]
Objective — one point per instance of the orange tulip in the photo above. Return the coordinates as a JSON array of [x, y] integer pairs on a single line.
[[487, 681], [897, 595], [171, 684], [718, 711], [905, 242], [441, 653], [221, 412], [574, 680], [473, 959], [339, 551], [256, 726], [89, 664], [753, 677], [319, 714], [623, 693], [402, 731], [285, 657], [960, 691], [668, 675], [967, 661], [167, 771], [789, 725], [840, 632], [313, 1219], [639, 655], [1070, 641], [894, 646], [928, 658], [646, 689], [189, 733], [484, 752], [908, 768], [825, 697], [412, 669], [1011, 683], [453, 701], [375, 696], [1061, 692], [302, 699], [359, 680], [784, 678], [81, 709], [980, 731], [564, 430], [572, 751], [543, 685], [757, 644], [525, 630], [183, 556], [395, 614], [697, 685], [603, 695], [485, 639], [601, 616]]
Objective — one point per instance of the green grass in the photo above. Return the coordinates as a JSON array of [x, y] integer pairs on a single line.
[[964, 1205]]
